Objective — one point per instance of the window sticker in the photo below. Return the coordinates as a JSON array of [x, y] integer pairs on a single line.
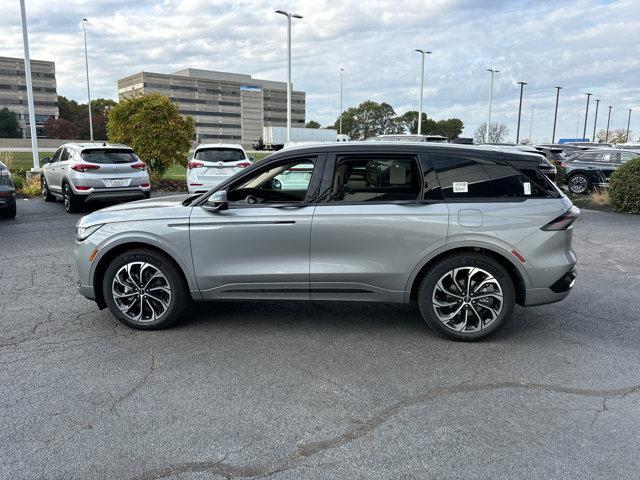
[[607, 157], [527, 188], [460, 187]]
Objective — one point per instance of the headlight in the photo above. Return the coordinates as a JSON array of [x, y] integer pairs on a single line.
[[82, 233]]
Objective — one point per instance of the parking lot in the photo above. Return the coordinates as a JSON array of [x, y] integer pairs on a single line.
[[315, 390]]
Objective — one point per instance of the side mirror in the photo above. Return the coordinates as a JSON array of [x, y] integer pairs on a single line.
[[217, 201], [45, 160]]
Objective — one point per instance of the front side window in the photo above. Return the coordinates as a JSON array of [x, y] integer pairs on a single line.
[[375, 179], [109, 156], [475, 178], [220, 155], [56, 156], [65, 155], [281, 183]]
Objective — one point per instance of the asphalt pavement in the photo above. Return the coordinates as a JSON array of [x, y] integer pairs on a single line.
[[318, 390]]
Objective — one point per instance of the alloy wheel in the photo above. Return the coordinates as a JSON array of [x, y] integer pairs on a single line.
[[66, 197], [141, 292], [467, 299], [578, 184], [43, 188]]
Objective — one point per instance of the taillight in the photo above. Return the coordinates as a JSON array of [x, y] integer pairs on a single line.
[[195, 165], [144, 185], [243, 164], [139, 166], [564, 221], [83, 167]]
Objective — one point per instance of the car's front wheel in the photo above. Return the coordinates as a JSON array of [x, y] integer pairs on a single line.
[[467, 296], [144, 290], [578, 183]]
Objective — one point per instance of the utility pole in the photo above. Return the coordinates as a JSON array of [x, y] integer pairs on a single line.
[[341, 70], [86, 64], [555, 116], [628, 124], [27, 72], [493, 72], [522, 84], [586, 115], [606, 138], [423, 53], [595, 121]]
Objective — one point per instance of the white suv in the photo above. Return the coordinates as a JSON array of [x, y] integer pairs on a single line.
[[82, 172], [214, 163]]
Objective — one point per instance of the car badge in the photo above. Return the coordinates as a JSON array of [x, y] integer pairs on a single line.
[[220, 164]]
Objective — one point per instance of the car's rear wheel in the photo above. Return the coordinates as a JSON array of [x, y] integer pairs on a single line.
[[467, 296], [47, 196], [72, 204], [144, 290], [579, 183], [8, 212]]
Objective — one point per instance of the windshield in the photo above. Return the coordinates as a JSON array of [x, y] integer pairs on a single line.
[[220, 155], [109, 156]]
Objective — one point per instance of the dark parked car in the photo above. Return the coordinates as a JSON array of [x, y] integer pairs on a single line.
[[554, 154], [7, 193], [545, 166], [592, 168]]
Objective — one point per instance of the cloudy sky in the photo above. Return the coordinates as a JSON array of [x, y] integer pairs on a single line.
[[582, 45]]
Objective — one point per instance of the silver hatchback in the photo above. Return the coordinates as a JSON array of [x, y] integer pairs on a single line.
[[465, 232], [83, 172]]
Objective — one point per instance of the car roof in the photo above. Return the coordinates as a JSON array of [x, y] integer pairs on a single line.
[[95, 145], [219, 145], [405, 147]]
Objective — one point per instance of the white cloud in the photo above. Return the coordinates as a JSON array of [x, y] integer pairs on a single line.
[[584, 45]]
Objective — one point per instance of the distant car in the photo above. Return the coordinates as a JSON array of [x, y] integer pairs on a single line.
[[592, 168], [212, 164], [545, 166], [589, 144], [7, 193], [86, 172], [555, 155], [629, 146], [409, 138]]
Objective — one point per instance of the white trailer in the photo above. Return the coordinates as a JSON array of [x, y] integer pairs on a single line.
[[275, 137]]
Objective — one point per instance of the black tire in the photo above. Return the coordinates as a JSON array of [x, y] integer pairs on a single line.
[[178, 290], [147, 195], [72, 204], [9, 212], [466, 261], [579, 183], [47, 196]]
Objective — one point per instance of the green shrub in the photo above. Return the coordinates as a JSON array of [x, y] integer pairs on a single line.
[[31, 187], [18, 181], [624, 187], [561, 175]]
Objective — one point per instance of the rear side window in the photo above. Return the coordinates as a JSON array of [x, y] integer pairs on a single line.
[[463, 178], [375, 179], [109, 156], [220, 155]]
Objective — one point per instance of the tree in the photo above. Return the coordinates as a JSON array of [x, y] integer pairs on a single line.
[[409, 121], [619, 135], [153, 127], [497, 133], [60, 128], [450, 128], [9, 127], [368, 120], [312, 124], [78, 114]]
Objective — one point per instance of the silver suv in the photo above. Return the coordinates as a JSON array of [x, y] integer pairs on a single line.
[[82, 172], [466, 232]]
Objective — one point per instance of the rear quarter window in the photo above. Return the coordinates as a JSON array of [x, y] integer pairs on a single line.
[[109, 156]]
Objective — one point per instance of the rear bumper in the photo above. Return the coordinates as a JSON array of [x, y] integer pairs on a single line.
[[113, 194], [559, 290]]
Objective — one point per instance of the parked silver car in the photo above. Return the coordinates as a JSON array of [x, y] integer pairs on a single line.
[[83, 172], [212, 164], [466, 232]]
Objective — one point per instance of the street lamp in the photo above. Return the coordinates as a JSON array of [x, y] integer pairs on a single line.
[[27, 72], [586, 115], [86, 64], [628, 124], [423, 53], [341, 71], [595, 120], [493, 72], [606, 137], [555, 116], [289, 17], [522, 84], [533, 109]]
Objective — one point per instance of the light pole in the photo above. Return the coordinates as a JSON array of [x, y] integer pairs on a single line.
[[628, 124], [289, 17], [27, 72], [606, 137], [595, 121], [493, 72], [522, 84], [586, 115], [341, 71], [555, 116], [533, 109], [423, 53], [86, 64]]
